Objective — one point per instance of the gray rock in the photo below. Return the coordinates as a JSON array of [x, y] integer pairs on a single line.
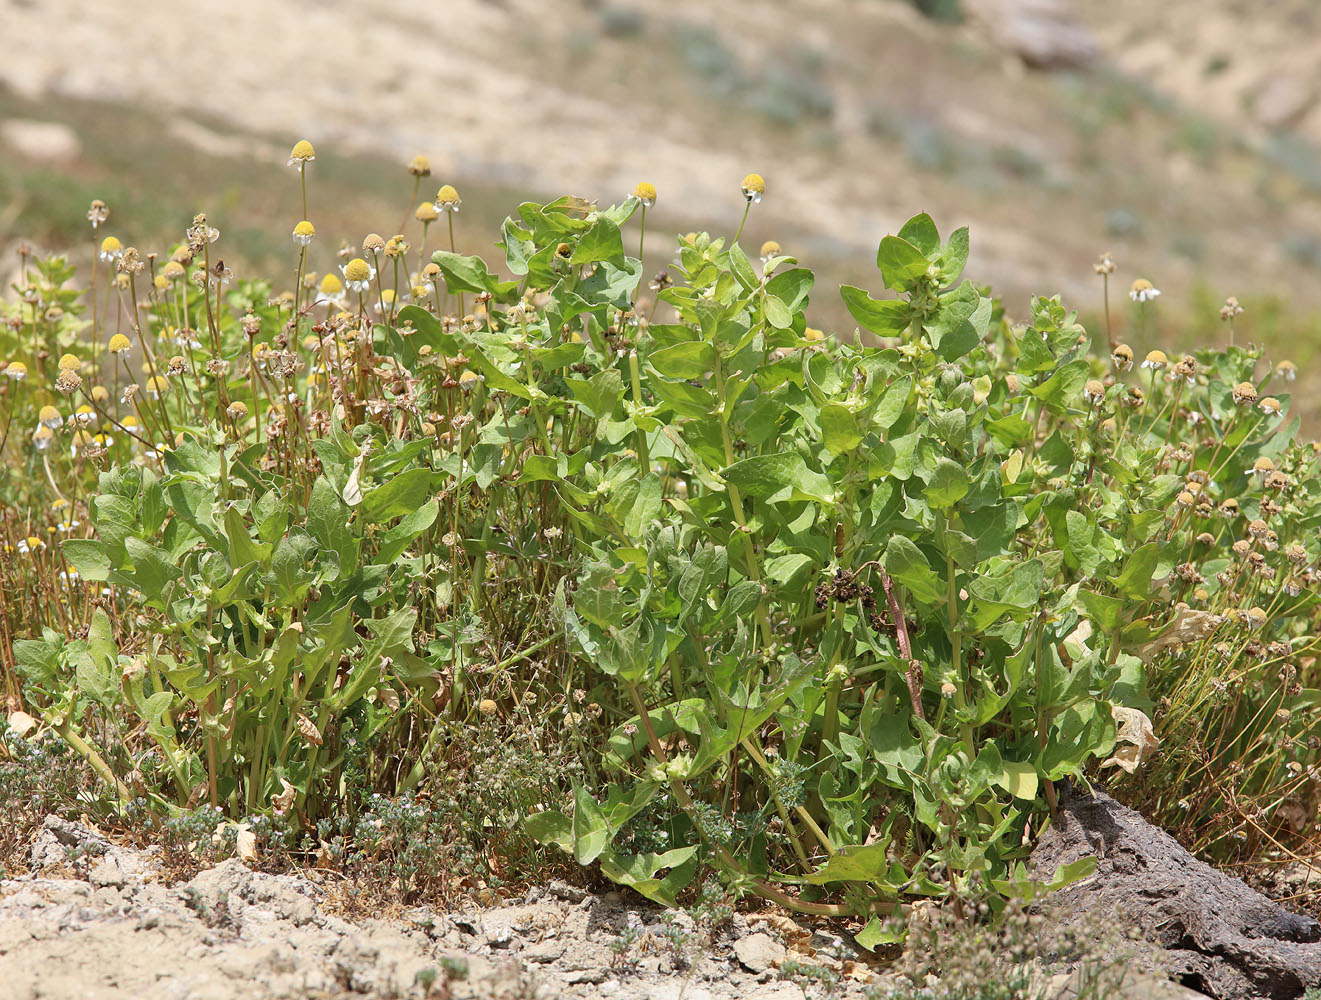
[[758, 952], [1045, 34], [107, 873], [1217, 934]]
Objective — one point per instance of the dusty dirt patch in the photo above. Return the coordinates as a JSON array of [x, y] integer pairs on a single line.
[[95, 921]]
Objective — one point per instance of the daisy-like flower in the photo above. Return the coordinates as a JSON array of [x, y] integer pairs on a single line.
[[447, 199], [1269, 405], [753, 187], [373, 243], [1135, 397], [1122, 357], [1245, 393], [69, 362], [43, 437], [49, 417], [396, 246], [469, 379], [302, 154], [769, 249], [1094, 391], [83, 415], [1156, 360], [330, 290], [426, 212], [172, 271], [30, 544], [97, 212], [157, 386], [358, 274], [81, 441], [1287, 370], [130, 423], [100, 394], [236, 410], [111, 249], [102, 441], [645, 192], [16, 370], [303, 233], [419, 166], [1263, 467], [1143, 291], [1186, 498]]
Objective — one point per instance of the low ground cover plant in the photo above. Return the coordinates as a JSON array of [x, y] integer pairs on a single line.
[[639, 565]]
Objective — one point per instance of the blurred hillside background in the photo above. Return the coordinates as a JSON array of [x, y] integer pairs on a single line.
[[1184, 137]]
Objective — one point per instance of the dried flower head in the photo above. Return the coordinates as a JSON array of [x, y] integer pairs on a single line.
[[1287, 370], [1230, 309], [1105, 264], [1269, 405], [68, 381], [373, 243], [1094, 391], [1244, 393], [97, 212], [1122, 357]]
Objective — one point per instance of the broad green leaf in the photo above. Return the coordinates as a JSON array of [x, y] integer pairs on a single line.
[[402, 494], [922, 233], [905, 562], [602, 241], [948, 484], [783, 476], [591, 833], [88, 557], [398, 538], [883, 317], [901, 264], [694, 359], [1019, 779], [859, 863], [1134, 580], [839, 429]]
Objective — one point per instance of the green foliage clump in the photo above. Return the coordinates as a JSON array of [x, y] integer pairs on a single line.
[[827, 618]]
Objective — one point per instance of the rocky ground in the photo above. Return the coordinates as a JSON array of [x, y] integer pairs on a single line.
[[95, 921]]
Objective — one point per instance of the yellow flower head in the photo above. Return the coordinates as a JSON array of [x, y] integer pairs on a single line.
[[161, 282], [419, 166], [770, 249], [50, 417], [468, 377], [157, 386], [357, 270], [331, 286], [43, 437], [396, 246], [69, 361], [754, 186], [645, 192], [426, 212], [1143, 291], [119, 345], [100, 394], [1094, 390], [812, 334], [301, 154], [16, 370], [303, 233], [236, 410], [447, 199], [1287, 370], [432, 271], [1156, 360], [172, 270], [1122, 357], [111, 248], [1269, 405], [1263, 465]]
